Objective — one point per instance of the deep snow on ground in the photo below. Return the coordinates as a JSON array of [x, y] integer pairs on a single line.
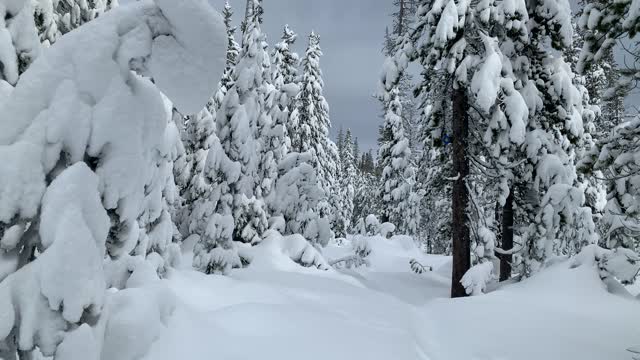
[[385, 311]]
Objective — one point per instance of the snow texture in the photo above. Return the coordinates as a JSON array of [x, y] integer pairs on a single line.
[[85, 139]]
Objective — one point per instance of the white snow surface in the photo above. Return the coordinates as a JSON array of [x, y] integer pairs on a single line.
[[384, 311]]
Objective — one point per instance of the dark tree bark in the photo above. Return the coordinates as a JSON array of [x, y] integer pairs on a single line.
[[507, 238], [460, 196], [401, 19]]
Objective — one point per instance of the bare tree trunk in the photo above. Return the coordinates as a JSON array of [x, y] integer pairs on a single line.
[[460, 195], [401, 18], [507, 238]]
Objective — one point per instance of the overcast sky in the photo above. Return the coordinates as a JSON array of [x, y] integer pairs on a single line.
[[351, 33]]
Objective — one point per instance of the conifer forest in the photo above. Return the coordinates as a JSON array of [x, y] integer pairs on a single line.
[[320, 179]]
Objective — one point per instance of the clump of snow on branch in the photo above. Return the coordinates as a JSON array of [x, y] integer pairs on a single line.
[[87, 136]]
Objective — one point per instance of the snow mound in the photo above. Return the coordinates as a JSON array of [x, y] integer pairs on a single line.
[[560, 313], [387, 255], [285, 253]]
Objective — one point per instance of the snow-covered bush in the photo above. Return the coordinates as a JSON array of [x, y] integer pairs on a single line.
[[361, 250], [86, 144], [281, 252], [620, 263], [475, 280]]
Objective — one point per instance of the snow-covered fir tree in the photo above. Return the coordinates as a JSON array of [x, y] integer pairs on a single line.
[[296, 193], [365, 202], [88, 177], [478, 48], [19, 45], [603, 26], [198, 132], [72, 14], [563, 224], [348, 176], [397, 195], [55, 18], [237, 216], [313, 130], [403, 17], [281, 91], [233, 51]]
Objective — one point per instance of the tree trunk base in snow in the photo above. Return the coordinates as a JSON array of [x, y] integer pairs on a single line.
[[460, 195]]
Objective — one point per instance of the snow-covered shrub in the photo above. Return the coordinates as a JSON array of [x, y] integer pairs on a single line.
[[86, 167], [621, 264], [475, 280], [280, 252], [386, 229], [361, 250]]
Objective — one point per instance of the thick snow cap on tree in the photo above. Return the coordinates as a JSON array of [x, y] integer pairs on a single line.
[[80, 136], [85, 84], [18, 38]]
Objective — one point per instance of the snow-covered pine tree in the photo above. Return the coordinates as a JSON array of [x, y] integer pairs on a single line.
[[497, 183], [313, 130], [592, 87], [281, 90], [457, 43], [348, 175], [340, 143], [356, 151], [604, 25], [71, 14], [397, 195], [232, 164], [296, 197], [562, 224], [614, 158], [233, 51], [19, 43], [198, 132], [287, 62], [402, 21], [365, 202], [439, 40], [46, 19], [92, 186]]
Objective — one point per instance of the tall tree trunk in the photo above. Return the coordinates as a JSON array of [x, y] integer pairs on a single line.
[[507, 238], [460, 195], [401, 18]]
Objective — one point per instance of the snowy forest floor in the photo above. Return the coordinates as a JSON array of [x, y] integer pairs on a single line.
[[385, 311]]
